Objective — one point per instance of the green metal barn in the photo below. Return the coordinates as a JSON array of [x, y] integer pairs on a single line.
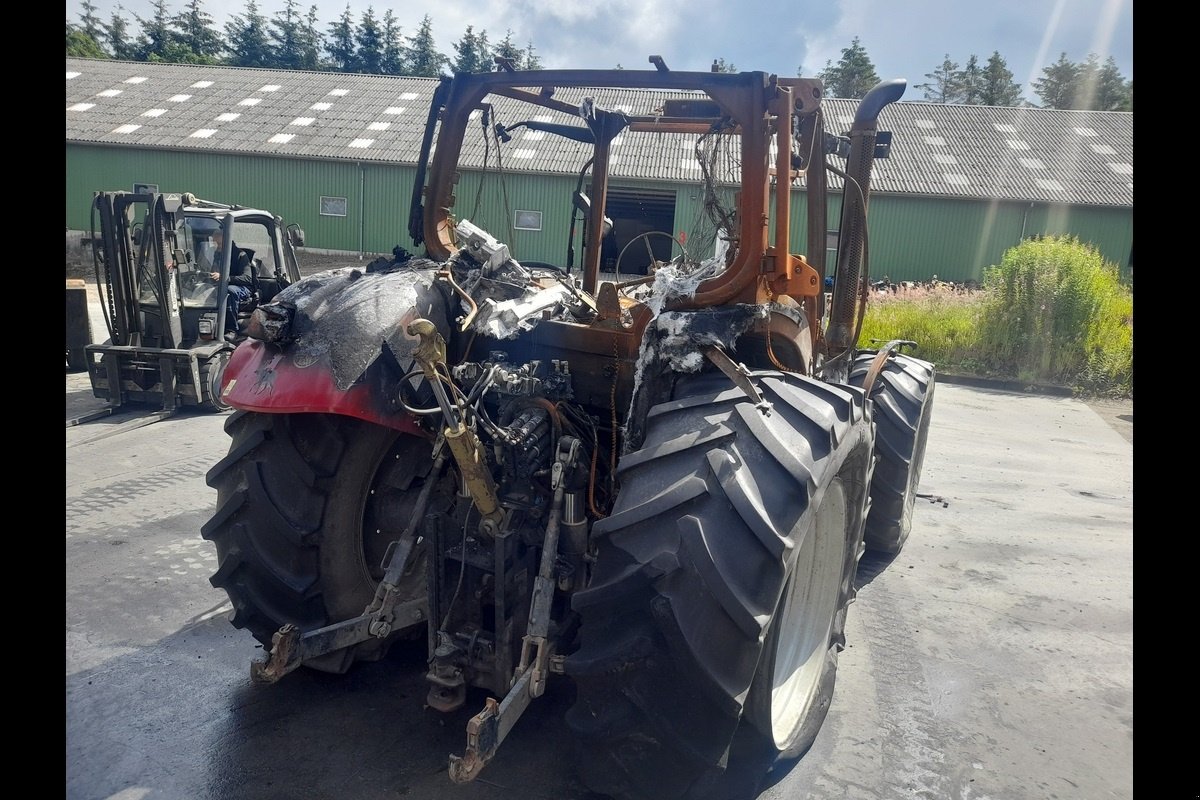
[[337, 153]]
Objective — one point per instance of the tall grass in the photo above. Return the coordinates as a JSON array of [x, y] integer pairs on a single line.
[[1053, 311], [942, 320]]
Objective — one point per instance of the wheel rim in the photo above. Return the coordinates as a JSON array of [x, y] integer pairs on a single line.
[[806, 618]]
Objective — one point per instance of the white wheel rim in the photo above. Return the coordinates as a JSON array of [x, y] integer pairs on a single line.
[[806, 618]]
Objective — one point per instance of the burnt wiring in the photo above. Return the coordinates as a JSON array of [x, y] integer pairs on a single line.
[[487, 120], [709, 151]]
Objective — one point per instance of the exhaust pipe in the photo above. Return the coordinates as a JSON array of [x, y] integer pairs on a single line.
[[852, 236]]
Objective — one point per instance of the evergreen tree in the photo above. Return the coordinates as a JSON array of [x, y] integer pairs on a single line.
[[393, 45], [505, 49], [1056, 87], [116, 33], [368, 40], [971, 83], [119, 42], [247, 37], [1105, 90], [309, 42], [483, 52], [853, 76], [467, 55], [157, 36], [80, 45], [943, 84], [340, 45], [529, 60], [1113, 92], [998, 86], [194, 28], [90, 24], [423, 56], [284, 37]]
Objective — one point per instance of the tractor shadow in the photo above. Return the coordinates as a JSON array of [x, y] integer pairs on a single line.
[[871, 566]]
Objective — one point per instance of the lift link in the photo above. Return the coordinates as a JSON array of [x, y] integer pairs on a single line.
[[738, 374], [464, 444], [489, 727], [290, 648], [880, 359]]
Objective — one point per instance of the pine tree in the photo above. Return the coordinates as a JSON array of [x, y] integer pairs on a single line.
[[423, 57], [483, 53], [247, 37], [369, 43], [971, 83], [943, 85], [89, 23], [998, 86], [309, 42], [1113, 92], [1099, 87], [853, 76], [507, 50], [466, 54], [529, 60], [285, 36], [116, 33], [393, 45], [340, 45], [194, 27], [156, 37], [1056, 87]]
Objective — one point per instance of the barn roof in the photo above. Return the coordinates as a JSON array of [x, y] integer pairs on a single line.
[[981, 152]]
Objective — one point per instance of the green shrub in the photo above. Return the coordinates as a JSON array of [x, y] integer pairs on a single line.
[[1056, 311], [1053, 311]]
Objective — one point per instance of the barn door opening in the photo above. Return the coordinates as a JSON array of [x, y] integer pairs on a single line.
[[634, 212]]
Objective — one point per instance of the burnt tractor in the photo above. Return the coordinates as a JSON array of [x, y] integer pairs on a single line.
[[654, 481]]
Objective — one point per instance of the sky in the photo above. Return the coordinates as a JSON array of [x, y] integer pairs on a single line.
[[903, 39]]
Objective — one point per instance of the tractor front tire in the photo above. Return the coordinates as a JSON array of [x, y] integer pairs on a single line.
[[902, 402], [735, 524], [306, 507]]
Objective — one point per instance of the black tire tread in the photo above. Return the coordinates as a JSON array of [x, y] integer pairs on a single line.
[[692, 564], [901, 399], [274, 490]]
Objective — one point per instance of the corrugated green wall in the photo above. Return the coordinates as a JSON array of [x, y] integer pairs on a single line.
[[914, 238], [909, 238], [291, 188]]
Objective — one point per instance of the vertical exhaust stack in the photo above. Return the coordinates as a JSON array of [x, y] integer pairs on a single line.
[[853, 227]]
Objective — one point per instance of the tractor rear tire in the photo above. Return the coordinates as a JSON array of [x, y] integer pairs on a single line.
[[734, 525], [901, 404], [306, 506]]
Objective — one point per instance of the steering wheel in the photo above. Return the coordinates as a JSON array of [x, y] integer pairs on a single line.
[[195, 279], [645, 237]]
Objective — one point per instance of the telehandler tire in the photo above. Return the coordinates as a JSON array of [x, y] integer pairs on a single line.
[[306, 506], [733, 526], [211, 373], [901, 400]]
